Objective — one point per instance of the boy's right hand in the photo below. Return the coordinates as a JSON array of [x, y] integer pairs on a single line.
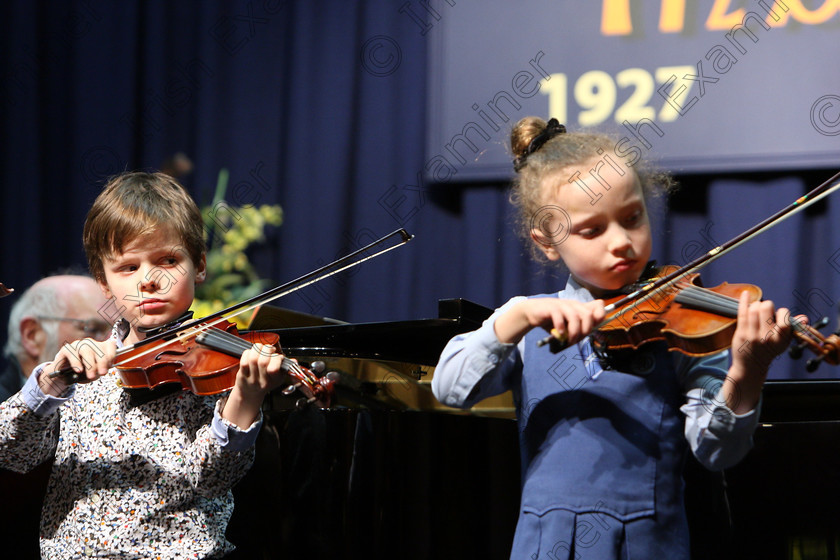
[[574, 319], [90, 358]]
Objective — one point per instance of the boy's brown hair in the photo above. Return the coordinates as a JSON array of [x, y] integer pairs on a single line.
[[136, 204]]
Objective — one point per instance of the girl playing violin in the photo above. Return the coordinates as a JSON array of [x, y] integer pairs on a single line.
[[146, 476], [602, 445]]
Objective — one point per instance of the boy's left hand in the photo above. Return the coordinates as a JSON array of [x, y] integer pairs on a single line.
[[261, 370]]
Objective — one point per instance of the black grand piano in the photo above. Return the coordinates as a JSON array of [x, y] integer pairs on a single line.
[[387, 472]]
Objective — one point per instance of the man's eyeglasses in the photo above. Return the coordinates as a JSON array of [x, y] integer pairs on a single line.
[[99, 330]]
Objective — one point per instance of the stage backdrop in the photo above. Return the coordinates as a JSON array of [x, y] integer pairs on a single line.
[[708, 86], [321, 106]]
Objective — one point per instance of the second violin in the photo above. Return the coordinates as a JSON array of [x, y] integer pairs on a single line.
[[693, 320], [690, 318]]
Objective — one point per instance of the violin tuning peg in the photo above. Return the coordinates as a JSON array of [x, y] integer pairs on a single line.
[[318, 367], [812, 364], [291, 389], [795, 351], [303, 402], [333, 376], [821, 323]]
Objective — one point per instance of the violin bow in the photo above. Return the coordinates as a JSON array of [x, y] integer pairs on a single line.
[[322, 273], [651, 289], [196, 326]]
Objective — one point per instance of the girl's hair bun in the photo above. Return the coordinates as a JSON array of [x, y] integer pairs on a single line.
[[523, 133], [529, 135]]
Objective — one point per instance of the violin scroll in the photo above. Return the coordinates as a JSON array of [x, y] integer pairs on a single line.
[[316, 387], [825, 348]]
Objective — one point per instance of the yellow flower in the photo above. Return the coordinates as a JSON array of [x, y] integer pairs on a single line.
[[230, 276], [203, 308]]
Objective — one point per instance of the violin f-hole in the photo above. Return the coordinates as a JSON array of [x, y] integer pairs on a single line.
[[170, 352]]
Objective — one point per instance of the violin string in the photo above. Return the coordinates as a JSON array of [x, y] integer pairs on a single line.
[[190, 331], [713, 301], [730, 305], [709, 300], [221, 337], [213, 339]]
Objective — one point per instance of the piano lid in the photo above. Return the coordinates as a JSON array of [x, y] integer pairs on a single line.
[[786, 401], [416, 341], [383, 365]]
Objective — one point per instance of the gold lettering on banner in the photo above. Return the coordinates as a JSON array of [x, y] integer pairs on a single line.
[[617, 15], [720, 19], [800, 13], [615, 18], [672, 16]]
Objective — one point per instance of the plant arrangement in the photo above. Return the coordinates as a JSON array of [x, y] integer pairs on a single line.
[[230, 231]]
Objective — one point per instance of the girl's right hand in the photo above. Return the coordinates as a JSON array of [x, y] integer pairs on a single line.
[[573, 319], [88, 357]]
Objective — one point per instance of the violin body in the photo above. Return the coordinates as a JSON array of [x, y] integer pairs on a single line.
[[689, 327], [185, 361]]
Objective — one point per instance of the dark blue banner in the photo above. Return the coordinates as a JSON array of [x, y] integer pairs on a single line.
[[702, 86]]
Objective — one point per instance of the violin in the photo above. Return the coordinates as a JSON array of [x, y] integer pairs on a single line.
[[207, 364], [691, 319], [697, 321], [4, 291]]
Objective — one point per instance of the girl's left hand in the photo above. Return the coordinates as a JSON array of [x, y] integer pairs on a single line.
[[762, 333]]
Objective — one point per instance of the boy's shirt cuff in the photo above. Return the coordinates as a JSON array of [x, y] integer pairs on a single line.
[[230, 436], [37, 401]]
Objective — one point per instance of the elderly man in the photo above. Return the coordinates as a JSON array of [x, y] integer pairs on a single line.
[[54, 310]]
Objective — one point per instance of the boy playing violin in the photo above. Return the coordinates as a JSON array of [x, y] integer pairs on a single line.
[[146, 477]]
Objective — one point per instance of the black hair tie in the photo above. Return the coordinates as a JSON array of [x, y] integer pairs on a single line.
[[552, 129]]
